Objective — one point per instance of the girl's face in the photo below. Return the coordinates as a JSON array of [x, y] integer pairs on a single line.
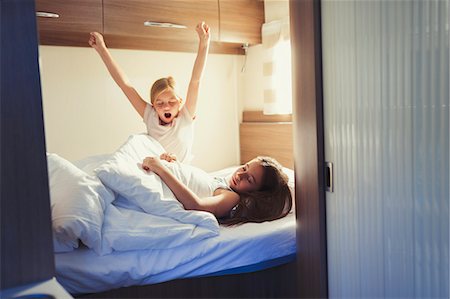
[[167, 105], [248, 177]]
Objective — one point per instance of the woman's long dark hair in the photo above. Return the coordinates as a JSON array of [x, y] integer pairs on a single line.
[[272, 201]]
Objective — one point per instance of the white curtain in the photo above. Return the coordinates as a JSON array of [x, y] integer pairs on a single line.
[[277, 67], [386, 107]]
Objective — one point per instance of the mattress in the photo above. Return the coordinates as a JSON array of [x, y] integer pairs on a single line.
[[244, 248]]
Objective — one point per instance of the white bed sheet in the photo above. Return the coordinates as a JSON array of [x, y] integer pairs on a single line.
[[84, 271]]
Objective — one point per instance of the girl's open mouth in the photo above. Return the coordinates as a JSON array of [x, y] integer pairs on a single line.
[[167, 115]]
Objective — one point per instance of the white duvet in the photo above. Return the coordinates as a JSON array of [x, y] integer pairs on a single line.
[[145, 213], [162, 221]]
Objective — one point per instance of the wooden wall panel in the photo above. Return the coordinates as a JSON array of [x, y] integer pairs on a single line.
[[259, 116], [266, 135], [26, 233]]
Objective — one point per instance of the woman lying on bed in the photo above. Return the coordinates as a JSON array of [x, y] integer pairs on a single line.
[[256, 192]]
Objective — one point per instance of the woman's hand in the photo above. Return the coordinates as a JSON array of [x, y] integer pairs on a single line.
[[152, 164], [168, 157], [203, 32], [96, 41]]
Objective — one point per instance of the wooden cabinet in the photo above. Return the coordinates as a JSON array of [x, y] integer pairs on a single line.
[[232, 22], [76, 20], [241, 20], [124, 23], [182, 12]]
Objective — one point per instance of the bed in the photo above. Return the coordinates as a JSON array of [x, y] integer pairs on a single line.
[[230, 263], [244, 249]]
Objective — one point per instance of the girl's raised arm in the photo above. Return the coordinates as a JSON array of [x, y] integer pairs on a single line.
[[96, 41], [204, 35]]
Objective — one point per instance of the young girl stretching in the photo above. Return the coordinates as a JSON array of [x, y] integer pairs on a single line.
[[168, 118], [256, 192]]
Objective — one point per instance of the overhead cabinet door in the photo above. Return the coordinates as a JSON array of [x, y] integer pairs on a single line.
[[241, 21], [124, 22], [74, 22]]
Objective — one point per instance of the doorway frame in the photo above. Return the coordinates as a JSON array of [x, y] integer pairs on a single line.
[[309, 153]]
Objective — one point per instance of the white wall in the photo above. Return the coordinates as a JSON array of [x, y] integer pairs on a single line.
[[250, 86], [275, 9], [85, 112], [251, 90]]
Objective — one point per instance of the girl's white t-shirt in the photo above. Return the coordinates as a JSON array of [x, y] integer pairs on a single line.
[[176, 137]]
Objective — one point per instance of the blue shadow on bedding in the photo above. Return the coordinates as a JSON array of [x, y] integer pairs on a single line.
[[256, 267]]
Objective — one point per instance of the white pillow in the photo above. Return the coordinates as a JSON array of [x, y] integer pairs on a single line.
[[90, 163], [78, 201]]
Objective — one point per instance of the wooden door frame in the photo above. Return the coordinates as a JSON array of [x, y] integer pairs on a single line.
[[305, 18]]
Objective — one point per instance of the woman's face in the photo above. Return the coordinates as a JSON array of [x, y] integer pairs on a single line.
[[248, 177], [167, 105]]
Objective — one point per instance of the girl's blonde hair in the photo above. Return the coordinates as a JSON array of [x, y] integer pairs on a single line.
[[160, 86], [272, 201]]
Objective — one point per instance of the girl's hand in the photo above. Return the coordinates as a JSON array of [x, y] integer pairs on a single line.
[[152, 164], [96, 41], [203, 32], [168, 157]]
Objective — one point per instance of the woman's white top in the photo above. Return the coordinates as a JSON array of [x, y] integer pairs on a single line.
[[198, 181], [176, 137]]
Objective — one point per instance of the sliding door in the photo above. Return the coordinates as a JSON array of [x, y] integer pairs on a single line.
[[386, 117]]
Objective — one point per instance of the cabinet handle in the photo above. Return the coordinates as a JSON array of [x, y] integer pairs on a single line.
[[46, 14], [163, 25]]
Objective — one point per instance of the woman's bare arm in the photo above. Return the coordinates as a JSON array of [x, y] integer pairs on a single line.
[[220, 204]]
